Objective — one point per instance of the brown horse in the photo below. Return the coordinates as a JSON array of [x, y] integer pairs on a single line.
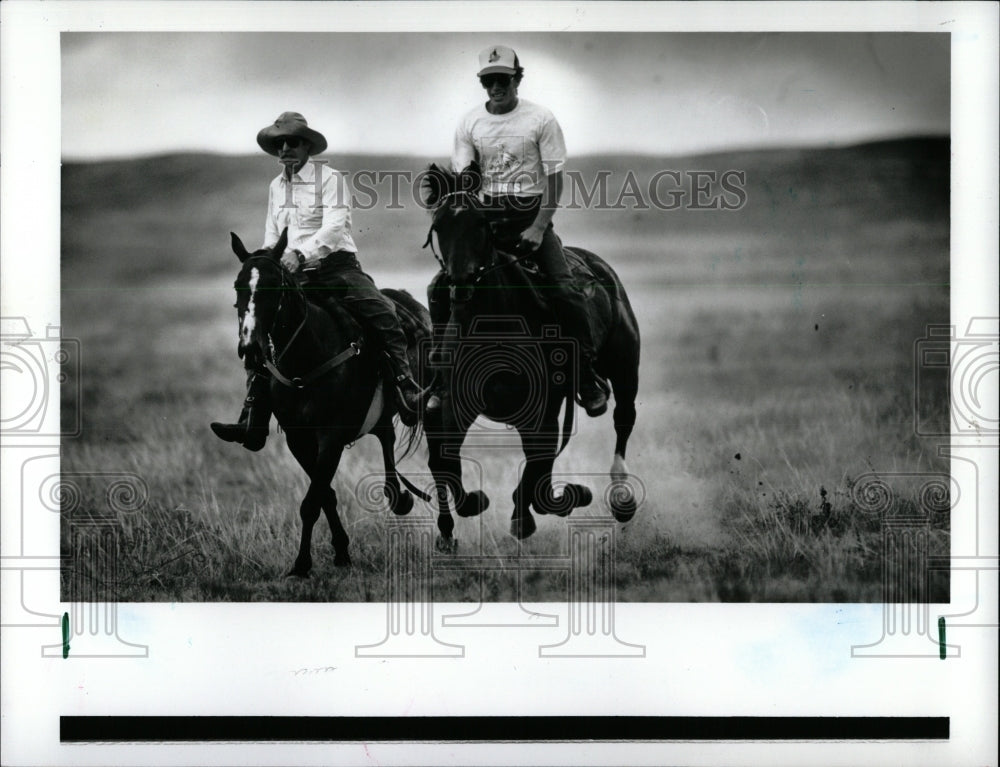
[[507, 360], [327, 382]]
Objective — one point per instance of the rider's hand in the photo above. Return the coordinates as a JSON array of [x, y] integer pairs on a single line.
[[531, 238], [292, 260]]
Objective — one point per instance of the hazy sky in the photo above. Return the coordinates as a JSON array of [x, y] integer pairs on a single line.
[[138, 93]]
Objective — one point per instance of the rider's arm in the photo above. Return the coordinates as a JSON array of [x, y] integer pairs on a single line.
[[463, 150], [336, 217], [552, 153], [271, 232], [550, 200]]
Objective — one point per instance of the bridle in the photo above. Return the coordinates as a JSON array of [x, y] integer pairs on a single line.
[[481, 272], [297, 382], [477, 276]]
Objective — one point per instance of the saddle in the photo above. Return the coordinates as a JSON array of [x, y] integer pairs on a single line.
[[584, 278], [506, 232]]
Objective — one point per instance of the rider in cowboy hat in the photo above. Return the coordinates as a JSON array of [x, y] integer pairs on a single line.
[[308, 198], [519, 147]]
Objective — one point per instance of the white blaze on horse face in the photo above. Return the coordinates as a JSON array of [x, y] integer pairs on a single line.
[[249, 320]]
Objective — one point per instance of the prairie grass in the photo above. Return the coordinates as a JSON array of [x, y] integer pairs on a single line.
[[777, 369]]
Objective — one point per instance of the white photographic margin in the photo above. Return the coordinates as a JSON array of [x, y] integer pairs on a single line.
[[701, 659]]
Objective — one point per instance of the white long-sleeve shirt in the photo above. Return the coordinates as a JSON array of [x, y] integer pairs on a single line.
[[316, 212]]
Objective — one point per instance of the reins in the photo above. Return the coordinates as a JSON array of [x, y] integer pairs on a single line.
[[300, 382], [478, 275], [482, 271]]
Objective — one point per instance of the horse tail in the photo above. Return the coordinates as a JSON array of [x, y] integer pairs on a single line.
[[611, 284], [416, 323], [410, 441]]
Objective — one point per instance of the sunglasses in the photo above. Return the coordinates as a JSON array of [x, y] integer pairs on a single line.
[[489, 81], [292, 142]]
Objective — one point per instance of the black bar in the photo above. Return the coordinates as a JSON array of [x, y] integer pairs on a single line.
[[496, 728]]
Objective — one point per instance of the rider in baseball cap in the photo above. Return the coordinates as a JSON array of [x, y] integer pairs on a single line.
[[498, 59]]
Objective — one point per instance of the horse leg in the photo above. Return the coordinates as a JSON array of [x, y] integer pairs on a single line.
[[444, 442], [400, 501], [320, 462], [522, 524], [624, 375], [327, 461], [302, 444], [535, 487]]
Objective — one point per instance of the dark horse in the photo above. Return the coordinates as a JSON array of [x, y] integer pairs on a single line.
[[326, 387], [506, 363]]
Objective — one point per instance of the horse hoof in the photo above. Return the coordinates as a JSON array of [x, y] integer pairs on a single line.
[[573, 497], [446, 545], [342, 560], [522, 527], [579, 495], [403, 504], [475, 503], [621, 500], [297, 572]]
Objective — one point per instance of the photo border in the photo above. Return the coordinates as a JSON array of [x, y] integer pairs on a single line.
[[700, 660]]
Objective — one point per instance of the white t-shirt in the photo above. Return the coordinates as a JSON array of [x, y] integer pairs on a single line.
[[516, 150]]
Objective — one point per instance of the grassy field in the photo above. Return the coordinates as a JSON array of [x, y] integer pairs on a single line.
[[777, 369]]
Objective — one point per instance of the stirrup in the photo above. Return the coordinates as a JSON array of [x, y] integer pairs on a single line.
[[408, 414]]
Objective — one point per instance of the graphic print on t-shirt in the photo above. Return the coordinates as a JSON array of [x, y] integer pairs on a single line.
[[502, 159], [502, 162]]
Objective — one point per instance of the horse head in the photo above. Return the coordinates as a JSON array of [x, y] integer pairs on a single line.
[[463, 231], [260, 288]]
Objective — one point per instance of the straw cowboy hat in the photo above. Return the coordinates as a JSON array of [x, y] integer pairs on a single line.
[[290, 124]]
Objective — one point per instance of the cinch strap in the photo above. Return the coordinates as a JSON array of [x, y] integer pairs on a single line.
[[301, 382]]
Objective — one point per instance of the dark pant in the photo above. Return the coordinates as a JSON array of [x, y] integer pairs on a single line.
[[338, 277]]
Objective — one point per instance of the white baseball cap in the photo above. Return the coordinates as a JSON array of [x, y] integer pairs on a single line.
[[498, 58]]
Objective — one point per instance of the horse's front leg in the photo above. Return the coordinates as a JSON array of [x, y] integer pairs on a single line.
[[444, 443], [539, 451], [535, 488], [321, 464], [327, 462]]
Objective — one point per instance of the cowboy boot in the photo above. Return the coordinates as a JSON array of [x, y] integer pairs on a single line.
[[409, 395], [252, 428]]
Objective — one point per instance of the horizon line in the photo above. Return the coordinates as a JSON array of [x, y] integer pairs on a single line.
[[745, 148]]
